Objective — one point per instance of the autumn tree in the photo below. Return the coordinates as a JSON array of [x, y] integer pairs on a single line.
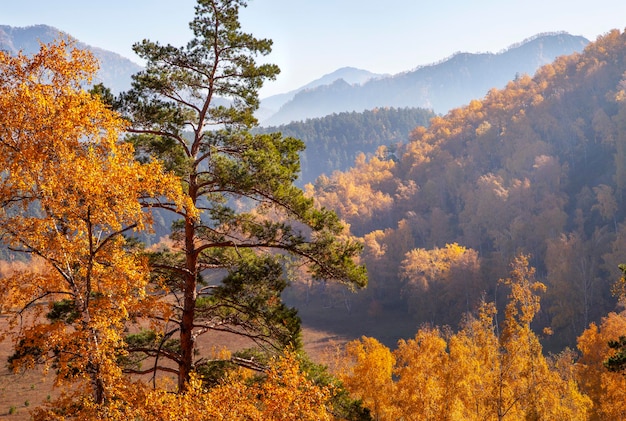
[[522, 364], [476, 354], [366, 370], [358, 195], [577, 288], [616, 362], [620, 141], [424, 387], [443, 283], [606, 388], [192, 109], [284, 392], [486, 371], [607, 204], [70, 192]]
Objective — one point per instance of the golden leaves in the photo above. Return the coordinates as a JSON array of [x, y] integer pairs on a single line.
[[606, 389], [474, 374], [70, 190], [284, 393]]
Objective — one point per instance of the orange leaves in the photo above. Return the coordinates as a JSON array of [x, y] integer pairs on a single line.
[[357, 195], [422, 372], [523, 302], [474, 374], [43, 103], [283, 394], [70, 190], [606, 389], [442, 283], [287, 394], [423, 267], [367, 374]]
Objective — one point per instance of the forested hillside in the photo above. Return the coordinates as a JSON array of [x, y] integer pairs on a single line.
[[538, 167], [333, 142]]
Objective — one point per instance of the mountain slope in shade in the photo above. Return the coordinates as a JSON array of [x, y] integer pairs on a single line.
[[442, 86], [334, 142], [115, 71]]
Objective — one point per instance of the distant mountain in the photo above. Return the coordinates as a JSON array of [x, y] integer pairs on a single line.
[[450, 83], [115, 71], [351, 75]]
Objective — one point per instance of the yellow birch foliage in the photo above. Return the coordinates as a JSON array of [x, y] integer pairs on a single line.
[[474, 374], [284, 394], [606, 389], [476, 355], [366, 371], [424, 388], [69, 192], [534, 389]]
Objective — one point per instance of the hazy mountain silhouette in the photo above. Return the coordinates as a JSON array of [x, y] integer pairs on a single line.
[[115, 71], [525, 170], [449, 83], [442, 86], [271, 104]]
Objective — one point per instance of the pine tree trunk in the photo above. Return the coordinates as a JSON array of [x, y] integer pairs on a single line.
[[189, 307]]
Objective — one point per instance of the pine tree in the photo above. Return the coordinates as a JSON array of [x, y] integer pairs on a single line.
[[192, 108]]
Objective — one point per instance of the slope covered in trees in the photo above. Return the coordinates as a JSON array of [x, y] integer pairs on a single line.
[[537, 167], [94, 306], [492, 368], [333, 142]]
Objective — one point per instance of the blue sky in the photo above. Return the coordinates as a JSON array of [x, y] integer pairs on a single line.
[[315, 37]]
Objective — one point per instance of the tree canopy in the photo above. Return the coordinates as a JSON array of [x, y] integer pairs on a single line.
[[70, 192]]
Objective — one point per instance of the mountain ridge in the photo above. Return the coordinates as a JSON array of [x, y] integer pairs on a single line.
[[448, 83], [536, 168], [115, 70], [352, 75], [441, 86]]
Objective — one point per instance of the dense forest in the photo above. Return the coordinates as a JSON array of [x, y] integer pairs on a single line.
[[538, 167], [333, 142], [495, 233]]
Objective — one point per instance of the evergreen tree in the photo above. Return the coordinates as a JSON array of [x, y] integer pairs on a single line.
[[192, 108]]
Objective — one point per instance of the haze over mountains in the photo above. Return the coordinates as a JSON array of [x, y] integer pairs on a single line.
[[451, 83], [537, 168], [441, 86], [351, 75], [115, 71]]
